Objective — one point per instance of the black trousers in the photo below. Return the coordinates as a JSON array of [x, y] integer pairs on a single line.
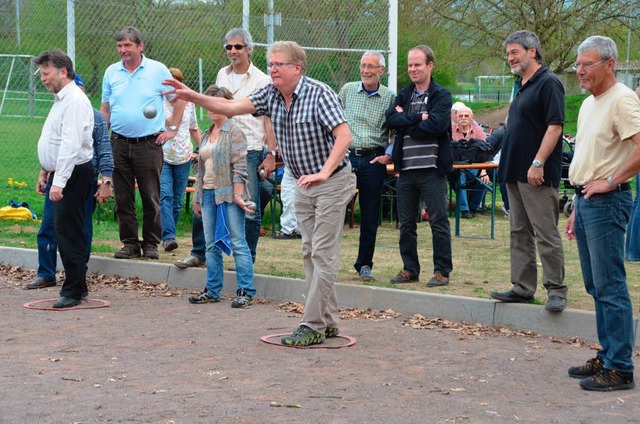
[[68, 219]]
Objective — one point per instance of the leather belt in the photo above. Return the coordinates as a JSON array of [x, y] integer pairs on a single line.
[[621, 187], [375, 151], [134, 140], [338, 169]]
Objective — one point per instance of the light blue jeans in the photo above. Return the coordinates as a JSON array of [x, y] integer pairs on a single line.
[[239, 247], [600, 224], [173, 182]]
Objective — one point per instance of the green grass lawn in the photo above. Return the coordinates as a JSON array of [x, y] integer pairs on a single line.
[[480, 265]]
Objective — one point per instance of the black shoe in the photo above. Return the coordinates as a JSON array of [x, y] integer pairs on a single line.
[[404, 277], [556, 303], [592, 367], [510, 296], [40, 283], [303, 336], [127, 252], [466, 215], [608, 380], [169, 245], [242, 300], [204, 297], [66, 302], [438, 280], [150, 252]]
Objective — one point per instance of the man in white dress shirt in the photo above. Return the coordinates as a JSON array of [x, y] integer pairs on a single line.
[[65, 150]]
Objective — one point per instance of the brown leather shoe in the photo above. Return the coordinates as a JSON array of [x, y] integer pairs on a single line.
[[39, 283], [404, 276]]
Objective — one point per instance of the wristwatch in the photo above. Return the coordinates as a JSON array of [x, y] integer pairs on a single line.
[[272, 153], [173, 128], [536, 163], [108, 182]]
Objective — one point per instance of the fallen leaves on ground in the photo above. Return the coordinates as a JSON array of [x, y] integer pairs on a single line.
[[345, 313]]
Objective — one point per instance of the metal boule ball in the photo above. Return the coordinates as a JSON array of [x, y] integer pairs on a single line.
[[251, 205], [261, 173], [149, 112]]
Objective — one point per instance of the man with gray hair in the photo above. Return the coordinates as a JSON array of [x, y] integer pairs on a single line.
[[65, 150], [365, 103], [531, 165], [242, 78], [313, 137], [607, 156]]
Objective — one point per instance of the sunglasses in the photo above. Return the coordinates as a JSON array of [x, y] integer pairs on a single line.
[[235, 46]]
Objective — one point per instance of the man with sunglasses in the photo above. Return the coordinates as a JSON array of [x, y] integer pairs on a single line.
[[531, 166], [607, 156], [242, 78], [313, 137]]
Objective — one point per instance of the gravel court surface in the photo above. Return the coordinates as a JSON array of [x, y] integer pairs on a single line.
[[162, 360]]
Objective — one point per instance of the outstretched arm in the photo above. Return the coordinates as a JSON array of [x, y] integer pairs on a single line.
[[214, 104]]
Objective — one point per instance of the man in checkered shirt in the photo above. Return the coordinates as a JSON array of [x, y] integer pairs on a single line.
[[313, 137]]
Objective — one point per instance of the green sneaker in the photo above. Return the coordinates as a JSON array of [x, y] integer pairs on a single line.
[[303, 336], [331, 332]]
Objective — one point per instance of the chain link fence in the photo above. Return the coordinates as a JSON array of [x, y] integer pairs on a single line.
[[185, 34]]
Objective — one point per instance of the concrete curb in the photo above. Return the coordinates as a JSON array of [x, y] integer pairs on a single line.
[[570, 323]]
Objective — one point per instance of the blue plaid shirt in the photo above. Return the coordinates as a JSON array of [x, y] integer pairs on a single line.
[[304, 132]]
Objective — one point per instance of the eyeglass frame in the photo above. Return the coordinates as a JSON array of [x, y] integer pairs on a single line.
[[370, 67], [238, 47], [279, 65], [586, 66]]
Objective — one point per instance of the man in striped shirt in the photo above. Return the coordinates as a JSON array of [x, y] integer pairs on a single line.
[[421, 116], [313, 137]]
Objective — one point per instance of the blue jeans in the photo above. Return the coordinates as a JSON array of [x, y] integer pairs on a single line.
[[241, 254], [197, 239], [173, 182], [632, 248], [476, 193], [254, 221], [431, 186], [370, 178], [46, 238], [600, 224]]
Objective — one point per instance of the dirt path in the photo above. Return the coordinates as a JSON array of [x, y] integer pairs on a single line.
[[493, 118], [151, 357]]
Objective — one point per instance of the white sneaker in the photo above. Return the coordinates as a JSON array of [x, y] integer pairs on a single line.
[[190, 262]]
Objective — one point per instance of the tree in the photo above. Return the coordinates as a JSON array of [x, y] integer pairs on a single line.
[[482, 26]]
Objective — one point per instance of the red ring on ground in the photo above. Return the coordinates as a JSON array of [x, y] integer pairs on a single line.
[[351, 342], [100, 304]]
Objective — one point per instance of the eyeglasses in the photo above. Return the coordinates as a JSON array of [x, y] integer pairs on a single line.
[[586, 66], [370, 67], [278, 65], [235, 46]]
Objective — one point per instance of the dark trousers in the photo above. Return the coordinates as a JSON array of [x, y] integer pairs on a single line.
[[139, 163], [370, 179], [69, 219], [429, 185], [197, 238], [46, 239]]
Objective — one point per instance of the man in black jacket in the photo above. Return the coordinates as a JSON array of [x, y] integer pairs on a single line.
[[422, 155]]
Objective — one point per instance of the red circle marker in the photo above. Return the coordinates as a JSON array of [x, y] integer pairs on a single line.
[[35, 305], [267, 339]]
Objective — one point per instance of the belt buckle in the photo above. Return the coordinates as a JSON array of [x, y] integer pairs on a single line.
[[358, 151]]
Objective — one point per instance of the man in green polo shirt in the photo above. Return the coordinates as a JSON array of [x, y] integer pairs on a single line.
[[364, 104]]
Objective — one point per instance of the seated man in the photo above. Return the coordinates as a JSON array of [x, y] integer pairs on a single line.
[[465, 129]]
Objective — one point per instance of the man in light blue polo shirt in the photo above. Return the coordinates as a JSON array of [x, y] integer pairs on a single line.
[[129, 87]]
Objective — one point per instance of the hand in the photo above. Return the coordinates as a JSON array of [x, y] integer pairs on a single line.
[[197, 209], [165, 136], [308, 181], [55, 194], [180, 90], [243, 205], [569, 227], [269, 165], [535, 176], [399, 109], [596, 187], [384, 159], [485, 179], [42, 182], [103, 194], [425, 116]]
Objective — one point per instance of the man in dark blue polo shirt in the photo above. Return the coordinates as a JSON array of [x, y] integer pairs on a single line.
[[530, 164]]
